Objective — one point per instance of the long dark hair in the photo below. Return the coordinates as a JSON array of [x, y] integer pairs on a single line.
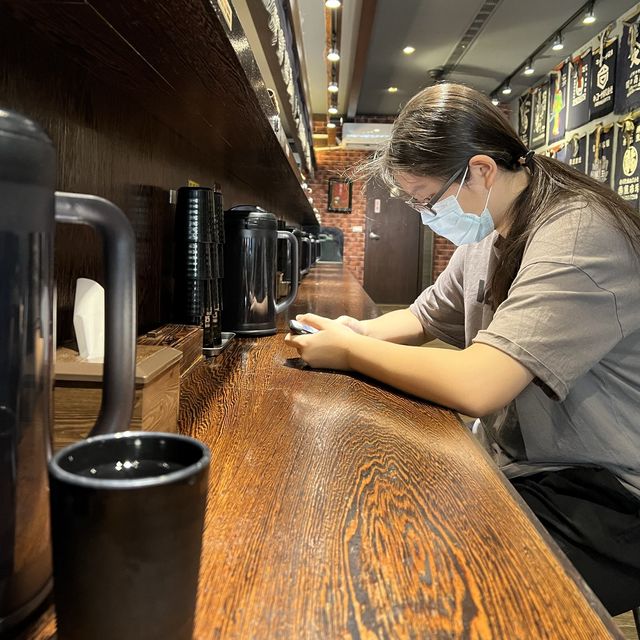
[[444, 125]]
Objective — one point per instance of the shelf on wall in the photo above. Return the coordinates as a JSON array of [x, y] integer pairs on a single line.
[[192, 68]]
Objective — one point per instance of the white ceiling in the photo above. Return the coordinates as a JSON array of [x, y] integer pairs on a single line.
[[434, 27]]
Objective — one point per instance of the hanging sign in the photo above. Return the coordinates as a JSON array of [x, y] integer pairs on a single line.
[[525, 113], [540, 97], [577, 153], [628, 68], [558, 102], [601, 154], [578, 110], [603, 77], [627, 180]]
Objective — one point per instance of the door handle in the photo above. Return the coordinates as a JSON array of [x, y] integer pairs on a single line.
[[374, 236]]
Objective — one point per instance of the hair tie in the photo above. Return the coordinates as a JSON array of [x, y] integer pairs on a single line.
[[527, 159]]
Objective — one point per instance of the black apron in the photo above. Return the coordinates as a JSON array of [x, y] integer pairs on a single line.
[[628, 67], [578, 113], [577, 153], [603, 77], [558, 102], [525, 114], [540, 97], [627, 181], [601, 154]]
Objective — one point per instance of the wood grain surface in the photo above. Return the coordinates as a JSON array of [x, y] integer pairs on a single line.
[[339, 508]]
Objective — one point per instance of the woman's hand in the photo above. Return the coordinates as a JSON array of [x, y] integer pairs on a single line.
[[327, 349], [355, 325]]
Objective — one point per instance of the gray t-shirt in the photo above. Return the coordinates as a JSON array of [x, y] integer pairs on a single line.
[[572, 318]]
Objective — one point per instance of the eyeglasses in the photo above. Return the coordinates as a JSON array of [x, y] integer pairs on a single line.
[[423, 207]]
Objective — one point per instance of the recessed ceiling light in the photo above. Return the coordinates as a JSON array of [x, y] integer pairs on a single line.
[[376, 131], [392, 89], [333, 55], [331, 125], [333, 87], [408, 50], [332, 110], [332, 4]]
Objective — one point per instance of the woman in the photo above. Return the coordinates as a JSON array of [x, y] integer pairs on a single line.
[[543, 297]]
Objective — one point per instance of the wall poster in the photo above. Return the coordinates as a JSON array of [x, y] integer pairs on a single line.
[[579, 78], [525, 113], [627, 180], [601, 154], [577, 153], [558, 102], [628, 67], [603, 77], [540, 97]]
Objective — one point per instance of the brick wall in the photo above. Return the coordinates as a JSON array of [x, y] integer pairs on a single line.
[[442, 252], [334, 163]]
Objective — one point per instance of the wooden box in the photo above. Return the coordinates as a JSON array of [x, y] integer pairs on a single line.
[[183, 337], [78, 391]]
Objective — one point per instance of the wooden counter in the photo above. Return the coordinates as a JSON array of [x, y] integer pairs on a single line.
[[342, 509]]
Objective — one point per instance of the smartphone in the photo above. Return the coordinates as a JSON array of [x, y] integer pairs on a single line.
[[300, 329]]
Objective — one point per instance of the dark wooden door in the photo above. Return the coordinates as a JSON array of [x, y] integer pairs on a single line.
[[392, 257]]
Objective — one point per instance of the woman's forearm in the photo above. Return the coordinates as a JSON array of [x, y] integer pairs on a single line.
[[400, 326]]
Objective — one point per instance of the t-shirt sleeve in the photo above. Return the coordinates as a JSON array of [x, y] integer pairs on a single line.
[[440, 307], [557, 322]]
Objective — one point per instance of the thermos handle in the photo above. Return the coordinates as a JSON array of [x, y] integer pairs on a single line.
[[293, 291], [120, 303], [308, 241]]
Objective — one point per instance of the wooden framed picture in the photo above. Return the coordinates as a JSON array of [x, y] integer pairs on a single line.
[[339, 195]]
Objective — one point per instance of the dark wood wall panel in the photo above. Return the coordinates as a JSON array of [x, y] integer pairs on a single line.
[[110, 145]]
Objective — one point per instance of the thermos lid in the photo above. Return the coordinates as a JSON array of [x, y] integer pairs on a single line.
[[16, 124], [26, 152], [252, 216]]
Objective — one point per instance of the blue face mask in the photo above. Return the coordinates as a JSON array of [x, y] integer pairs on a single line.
[[451, 222]]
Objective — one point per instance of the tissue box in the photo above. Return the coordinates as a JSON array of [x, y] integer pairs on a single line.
[[78, 391]]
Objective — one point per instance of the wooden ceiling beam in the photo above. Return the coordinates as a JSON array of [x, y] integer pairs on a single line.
[[365, 30]]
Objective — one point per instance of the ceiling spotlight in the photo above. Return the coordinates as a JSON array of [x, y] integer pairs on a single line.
[[408, 50], [558, 44], [333, 110], [529, 70], [331, 125], [590, 16], [333, 87], [332, 4], [392, 89], [494, 100], [506, 90], [333, 55]]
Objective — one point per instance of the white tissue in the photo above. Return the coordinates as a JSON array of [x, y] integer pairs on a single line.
[[88, 319]]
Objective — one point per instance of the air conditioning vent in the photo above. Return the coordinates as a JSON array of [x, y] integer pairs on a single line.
[[365, 135]]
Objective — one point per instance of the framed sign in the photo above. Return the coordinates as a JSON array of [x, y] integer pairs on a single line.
[[339, 195]]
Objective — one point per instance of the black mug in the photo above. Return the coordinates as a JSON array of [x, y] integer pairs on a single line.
[[127, 512]]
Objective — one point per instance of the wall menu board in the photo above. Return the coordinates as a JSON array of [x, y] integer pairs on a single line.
[[540, 97], [558, 102], [579, 77], [603, 77], [627, 180], [628, 67], [601, 154], [577, 153], [525, 114]]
